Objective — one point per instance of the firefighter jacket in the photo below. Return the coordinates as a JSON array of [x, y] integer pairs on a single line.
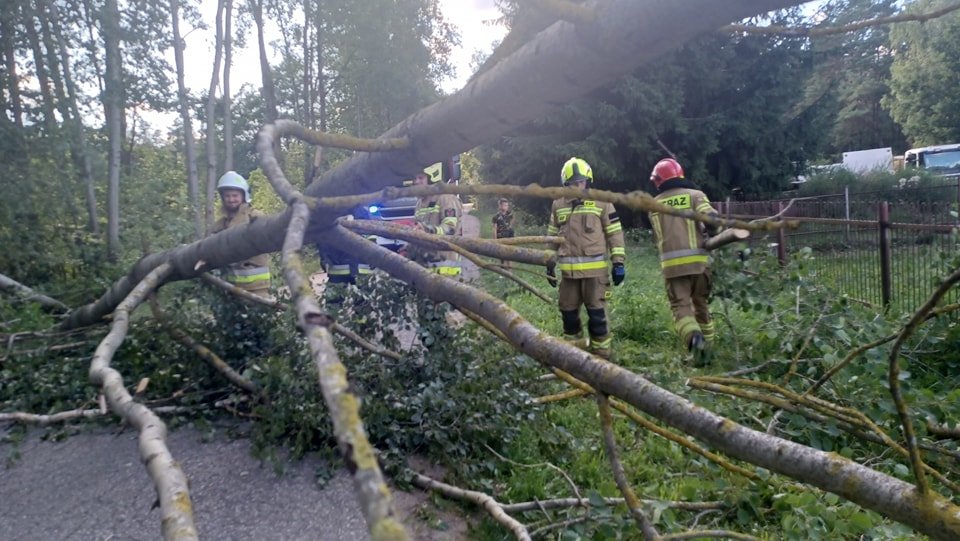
[[590, 229], [440, 214], [679, 240], [254, 273]]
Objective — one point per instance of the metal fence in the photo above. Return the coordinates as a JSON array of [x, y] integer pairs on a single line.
[[880, 248]]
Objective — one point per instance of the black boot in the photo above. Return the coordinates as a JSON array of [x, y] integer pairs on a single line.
[[698, 348]]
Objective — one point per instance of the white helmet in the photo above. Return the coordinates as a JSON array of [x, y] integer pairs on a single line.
[[234, 181]]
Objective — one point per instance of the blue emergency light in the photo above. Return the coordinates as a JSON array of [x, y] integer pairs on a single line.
[[373, 209]]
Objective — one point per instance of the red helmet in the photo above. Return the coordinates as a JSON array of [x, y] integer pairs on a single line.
[[665, 170]]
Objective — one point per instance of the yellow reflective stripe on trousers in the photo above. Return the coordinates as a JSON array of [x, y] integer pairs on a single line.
[[686, 326], [570, 264], [601, 344], [234, 279], [683, 261], [446, 271], [246, 276], [708, 330]]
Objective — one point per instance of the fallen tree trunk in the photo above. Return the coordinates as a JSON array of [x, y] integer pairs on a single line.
[[725, 237], [931, 513], [7, 283], [624, 35]]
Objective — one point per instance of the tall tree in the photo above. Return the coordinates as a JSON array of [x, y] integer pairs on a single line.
[[852, 69], [924, 76], [184, 99], [80, 149], [211, 115], [267, 89], [227, 104], [12, 79], [40, 67], [113, 106]]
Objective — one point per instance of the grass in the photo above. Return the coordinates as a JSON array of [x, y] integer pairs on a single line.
[[759, 318]]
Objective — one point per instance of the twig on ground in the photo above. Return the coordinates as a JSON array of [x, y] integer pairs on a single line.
[[559, 397], [703, 534], [660, 431], [202, 351], [485, 501], [563, 503], [619, 475], [893, 377], [573, 486]]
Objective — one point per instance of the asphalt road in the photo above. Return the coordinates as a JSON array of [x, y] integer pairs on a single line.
[[92, 486]]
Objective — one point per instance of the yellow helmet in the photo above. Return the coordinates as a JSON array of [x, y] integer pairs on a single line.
[[434, 172], [576, 169]]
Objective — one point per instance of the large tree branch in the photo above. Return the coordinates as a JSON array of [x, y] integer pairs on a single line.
[[376, 502], [7, 283], [172, 492], [928, 513], [820, 31], [624, 35]]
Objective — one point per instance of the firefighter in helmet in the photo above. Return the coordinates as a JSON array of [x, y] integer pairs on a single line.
[[252, 275], [440, 215], [590, 231], [683, 259]]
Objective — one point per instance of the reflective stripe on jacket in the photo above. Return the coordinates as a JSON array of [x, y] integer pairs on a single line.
[[254, 273], [679, 240], [440, 214], [590, 230]]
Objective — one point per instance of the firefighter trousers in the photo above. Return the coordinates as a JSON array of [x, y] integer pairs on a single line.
[[592, 293], [689, 301]]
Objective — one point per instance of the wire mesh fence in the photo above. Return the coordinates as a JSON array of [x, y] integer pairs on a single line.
[[887, 248]]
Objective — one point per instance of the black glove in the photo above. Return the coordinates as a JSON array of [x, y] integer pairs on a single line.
[[552, 276], [618, 273]]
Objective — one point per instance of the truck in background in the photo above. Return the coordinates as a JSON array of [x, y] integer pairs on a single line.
[[402, 211], [862, 162], [943, 160]]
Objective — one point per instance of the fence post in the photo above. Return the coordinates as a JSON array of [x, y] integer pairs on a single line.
[[781, 238], [884, 226], [846, 215]]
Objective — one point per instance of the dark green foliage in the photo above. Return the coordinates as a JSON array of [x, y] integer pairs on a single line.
[[922, 96]]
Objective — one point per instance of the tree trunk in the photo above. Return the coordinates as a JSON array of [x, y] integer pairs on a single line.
[[7, 34], [80, 150], [113, 106], [267, 89], [227, 113], [62, 106], [307, 89], [188, 143], [212, 120], [53, 62], [47, 101]]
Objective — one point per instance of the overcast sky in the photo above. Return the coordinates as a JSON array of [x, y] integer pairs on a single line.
[[469, 16], [472, 18]]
